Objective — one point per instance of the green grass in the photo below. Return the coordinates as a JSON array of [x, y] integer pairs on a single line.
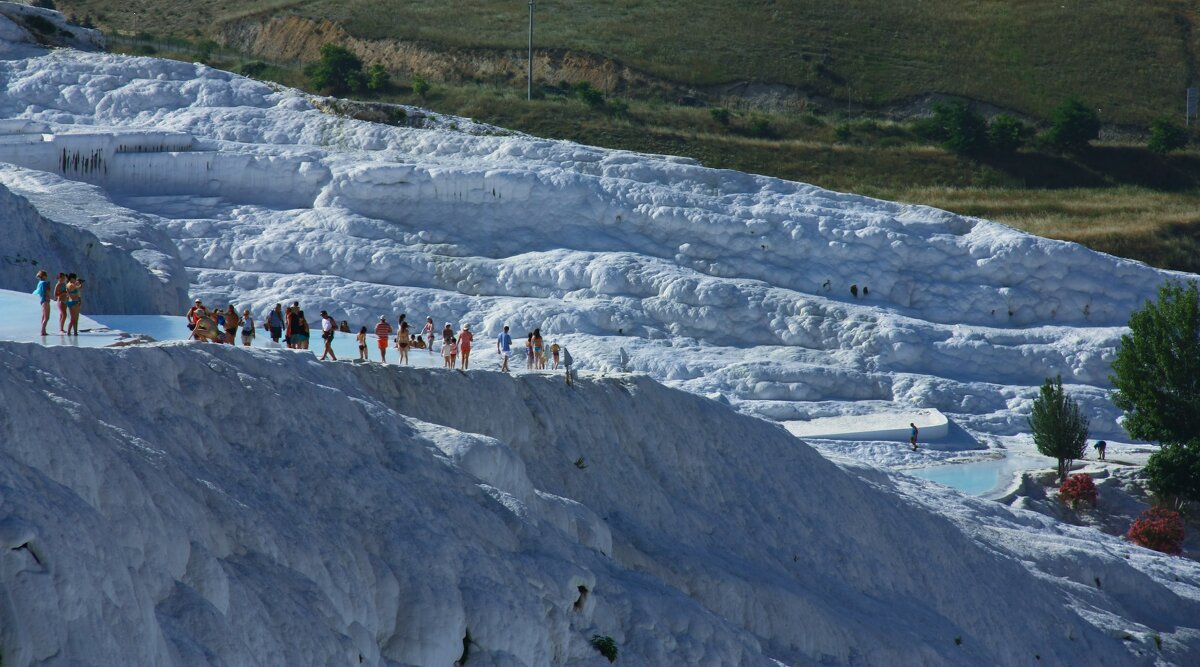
[[1131, 58]]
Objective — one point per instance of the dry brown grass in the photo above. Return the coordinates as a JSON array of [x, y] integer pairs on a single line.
[[1159, 228]]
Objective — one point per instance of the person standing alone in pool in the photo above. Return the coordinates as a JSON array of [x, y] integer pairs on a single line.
[[912, 439]]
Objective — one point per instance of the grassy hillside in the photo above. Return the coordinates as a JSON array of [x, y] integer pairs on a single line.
[[1131, 58], [1117, 198]]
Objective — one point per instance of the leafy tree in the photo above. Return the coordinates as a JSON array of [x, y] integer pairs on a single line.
[[1059, 426], [1006, 134], [1074, 125], [420, 86], [378, 79], [1157, 368], [956, 127], [1174, 473], [338, 70], [1166, 136]]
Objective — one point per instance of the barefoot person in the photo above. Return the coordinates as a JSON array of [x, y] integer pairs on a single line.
[[912, 439], [427, 333], [74, 302], [232, 321], [273, 322], [362, 344], [44, 294], [403, 340], [247, 328], [60, 295], [504, 348], [1100, 446], [464, 345], [328, 326], [384, 331]]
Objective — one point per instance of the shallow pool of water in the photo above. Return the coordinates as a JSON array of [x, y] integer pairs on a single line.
[[980, 478]]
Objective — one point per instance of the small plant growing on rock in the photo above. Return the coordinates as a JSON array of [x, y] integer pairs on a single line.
[[1078, 488], [606, 646], [1160, 529]]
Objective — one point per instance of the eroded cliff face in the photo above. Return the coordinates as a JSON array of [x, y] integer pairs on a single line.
[[289, 38]]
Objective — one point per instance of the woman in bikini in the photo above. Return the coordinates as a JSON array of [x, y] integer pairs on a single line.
[[231, 325], [402, 341], [74, 302], [60, 295], [362, 344], [537, 349]]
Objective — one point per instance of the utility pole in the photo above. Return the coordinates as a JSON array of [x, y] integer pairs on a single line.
[[529, 77]]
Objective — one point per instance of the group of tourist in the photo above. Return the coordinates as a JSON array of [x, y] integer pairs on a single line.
[[68, 293], [291, 326]]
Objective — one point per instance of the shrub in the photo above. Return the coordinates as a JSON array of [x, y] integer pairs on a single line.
[[338, 70], [45, 4], [205, 50], [420, 86], [760, 127], [1074, 125], [842, 133], [253, 68], [378, 78], [1059, 426], [589, 94], [1173, 473], [617, 108], [606, 646], [1078, 488], [40, 24], [1160, 529], [1006, 134], [720, 115], [1166, 136]]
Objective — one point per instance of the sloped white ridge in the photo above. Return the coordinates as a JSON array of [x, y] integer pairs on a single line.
[[282, 511], [718, 282]]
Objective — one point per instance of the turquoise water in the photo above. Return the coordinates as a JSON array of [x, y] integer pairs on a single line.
[[981, 477]]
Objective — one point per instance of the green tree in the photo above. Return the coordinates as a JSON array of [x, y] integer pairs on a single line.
[[1173, 473], [378, 79], [338, 71], [1006, 134], [966, 131], [1059, 427], [1074, 125], [420, 86], [1157, 376], [1157, 368], [955, 126], [1166, 136]]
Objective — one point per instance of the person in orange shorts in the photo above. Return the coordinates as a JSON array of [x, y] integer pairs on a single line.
[[384, 331]]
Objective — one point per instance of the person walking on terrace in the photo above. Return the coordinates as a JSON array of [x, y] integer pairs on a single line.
[[384, 331], [43, 292]]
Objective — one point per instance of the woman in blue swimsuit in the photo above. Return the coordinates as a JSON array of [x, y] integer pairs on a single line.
[[74, 302]]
